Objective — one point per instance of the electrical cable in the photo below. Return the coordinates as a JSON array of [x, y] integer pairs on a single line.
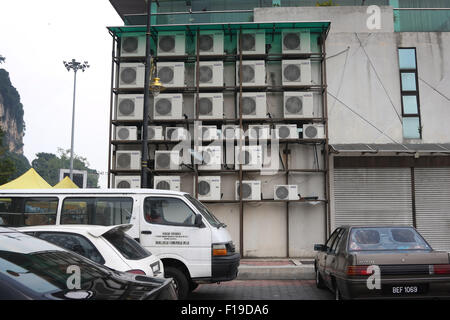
[[379, 79], [440, 93]]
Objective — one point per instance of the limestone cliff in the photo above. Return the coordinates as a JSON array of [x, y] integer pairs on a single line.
[[11, 114]]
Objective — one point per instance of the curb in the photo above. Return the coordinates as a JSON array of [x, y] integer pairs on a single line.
[[284, 272]]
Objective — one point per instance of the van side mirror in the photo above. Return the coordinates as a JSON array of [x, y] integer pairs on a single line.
[[320, 247], [198, 220]]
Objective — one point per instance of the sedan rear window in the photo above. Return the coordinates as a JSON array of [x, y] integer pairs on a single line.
[[387, 238], [126, 245]]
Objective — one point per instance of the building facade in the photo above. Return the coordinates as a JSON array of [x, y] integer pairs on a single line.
[[374, 91]]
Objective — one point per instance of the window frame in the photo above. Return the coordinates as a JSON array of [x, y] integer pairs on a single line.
[[414, 93]]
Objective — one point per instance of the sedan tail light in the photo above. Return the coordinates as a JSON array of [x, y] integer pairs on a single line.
[[440, 269], [136, 271], [358, 271]]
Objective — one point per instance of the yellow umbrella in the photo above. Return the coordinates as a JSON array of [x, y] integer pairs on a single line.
[[65, 183], [29, 180]]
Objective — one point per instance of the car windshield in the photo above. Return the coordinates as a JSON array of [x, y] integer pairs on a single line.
[[126, 245], [387, 238], [213, 221]]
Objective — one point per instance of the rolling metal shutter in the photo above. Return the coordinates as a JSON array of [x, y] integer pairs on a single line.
[[433, 205], [370, 196]]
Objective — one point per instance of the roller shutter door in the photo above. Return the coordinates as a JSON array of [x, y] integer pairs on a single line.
[[432, 187], [370, 196]]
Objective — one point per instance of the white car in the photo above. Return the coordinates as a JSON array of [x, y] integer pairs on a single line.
[[106, 245]]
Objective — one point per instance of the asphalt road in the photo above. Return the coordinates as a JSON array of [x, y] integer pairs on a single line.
[[261, 290]]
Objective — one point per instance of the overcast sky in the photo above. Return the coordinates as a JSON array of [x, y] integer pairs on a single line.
[[35, 38]]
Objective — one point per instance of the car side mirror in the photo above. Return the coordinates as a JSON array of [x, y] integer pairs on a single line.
[[320, 247], [198, 220]]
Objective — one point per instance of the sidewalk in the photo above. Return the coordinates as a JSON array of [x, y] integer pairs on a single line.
[[276, 269]]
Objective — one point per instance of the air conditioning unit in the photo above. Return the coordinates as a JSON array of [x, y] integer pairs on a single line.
[[126, 133], [254, 105], [296, 41], [313, 131], [130, 107], [171, 43], [167, 183], [210, 42], [127, 182], [251, 190], [171, 74], [208, 133], [210, 106], [259, 132], [155, 133], [253, 73], [296, 72], [230, 132], [133, 46], [211, 157], [286, 131], [285, 192], [210, 74], [128, 160], [298, 105], [131, 75], [168, 106], [209, 188], [250, 157], [253, 42], [167, 160], [176, 133]]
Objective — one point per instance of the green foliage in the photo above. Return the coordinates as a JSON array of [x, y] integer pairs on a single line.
[[21, 163], [48, 165], [11, 99], [329, 3], [7, 167]]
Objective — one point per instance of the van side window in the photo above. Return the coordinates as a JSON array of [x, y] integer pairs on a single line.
[[10, 215], [105, 211], [40, 211], [170, 211]]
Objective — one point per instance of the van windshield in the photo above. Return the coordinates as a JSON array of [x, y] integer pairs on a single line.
[[213, 221]]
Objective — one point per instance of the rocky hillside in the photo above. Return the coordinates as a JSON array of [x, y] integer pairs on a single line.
[[11, 114]]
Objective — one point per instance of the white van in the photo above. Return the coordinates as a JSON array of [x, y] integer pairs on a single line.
[[193, 245]]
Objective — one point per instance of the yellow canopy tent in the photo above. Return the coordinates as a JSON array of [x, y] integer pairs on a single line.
[[29, 180], [65, 183]]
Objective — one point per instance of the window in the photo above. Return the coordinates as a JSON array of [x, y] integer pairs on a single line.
[[412, 128], [75, 243], [370, 239], [331, 239], [40, 211], [337, 241], [10, 215], [171, 211], [97, 211], [126, 245]]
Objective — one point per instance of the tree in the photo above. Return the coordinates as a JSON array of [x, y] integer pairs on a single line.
[[49, 164], [2, 59], [7, 167]]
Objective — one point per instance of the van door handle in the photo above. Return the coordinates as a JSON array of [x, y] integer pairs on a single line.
[[146, 232]]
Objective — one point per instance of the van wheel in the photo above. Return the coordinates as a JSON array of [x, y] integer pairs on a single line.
[[192, 286], [180, 280]]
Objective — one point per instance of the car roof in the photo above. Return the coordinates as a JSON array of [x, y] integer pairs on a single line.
[[92, 191], [6, 230], [94, 230], [376, 226]]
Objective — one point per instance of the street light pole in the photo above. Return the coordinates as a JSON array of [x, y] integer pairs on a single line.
[[75, 66]]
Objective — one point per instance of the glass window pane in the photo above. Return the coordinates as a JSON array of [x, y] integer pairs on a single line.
[[40, 211], [168, 211], [411, 128], [408, 81], [410, 105], [407, 58]]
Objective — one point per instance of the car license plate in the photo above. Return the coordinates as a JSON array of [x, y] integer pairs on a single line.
[[402, 290]]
